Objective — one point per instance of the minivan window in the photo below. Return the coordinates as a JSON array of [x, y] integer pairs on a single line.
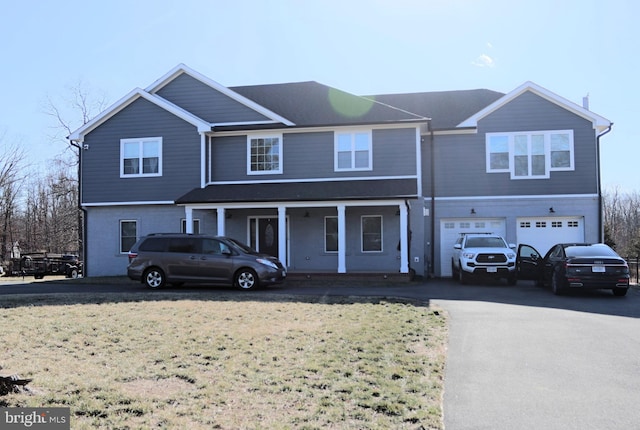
[[184, 245], [213, 246], [154, 244]]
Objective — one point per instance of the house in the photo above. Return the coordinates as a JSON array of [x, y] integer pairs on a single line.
[[333, 182]]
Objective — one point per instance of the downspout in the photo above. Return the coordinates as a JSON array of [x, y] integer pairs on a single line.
[[600, 205], [82, 225], [432, 176]]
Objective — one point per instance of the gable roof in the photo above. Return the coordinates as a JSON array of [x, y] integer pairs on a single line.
[[183, 69], [599, 123], [78, 135], [446, 109], [314, 104]]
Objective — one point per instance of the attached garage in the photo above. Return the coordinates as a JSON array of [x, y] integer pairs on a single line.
[[544, 232], [450, 230]]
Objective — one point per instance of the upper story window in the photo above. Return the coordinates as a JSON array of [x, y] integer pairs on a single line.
[[264, 155], [530, 155], [353, 151], [141, 157]]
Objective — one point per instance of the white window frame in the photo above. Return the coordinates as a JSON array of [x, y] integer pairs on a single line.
[[362, 241], [255, 137], [548, 150], [353, 149], [121, 237], [140, 142]]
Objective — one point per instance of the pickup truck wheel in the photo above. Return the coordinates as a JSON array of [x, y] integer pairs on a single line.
[[463, 276], [154, 278]]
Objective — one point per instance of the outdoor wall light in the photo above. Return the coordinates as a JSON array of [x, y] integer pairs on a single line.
[[551, 211], [473, 211]]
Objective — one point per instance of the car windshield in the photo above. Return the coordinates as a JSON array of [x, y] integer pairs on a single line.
[[589, 251], [485, 242], [245, 248]]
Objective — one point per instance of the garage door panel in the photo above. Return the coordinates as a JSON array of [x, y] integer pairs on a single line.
[[544, 232], [450, 230]]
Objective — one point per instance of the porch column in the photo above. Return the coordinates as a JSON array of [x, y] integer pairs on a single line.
[[282, 235], [188, 213], [221, 221], [342, 240], [404, 239]]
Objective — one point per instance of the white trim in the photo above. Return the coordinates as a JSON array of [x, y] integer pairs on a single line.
[[333, 128], [454, 132], [296, 204], [599, 123], [140, 142], [102, 204], [182, 68], [306, 180], [419, 160], [519, 197], [352, 132], [511, 152], [255, 136]]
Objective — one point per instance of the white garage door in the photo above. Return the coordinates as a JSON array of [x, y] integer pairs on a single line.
[[450, 230], [544, 232]]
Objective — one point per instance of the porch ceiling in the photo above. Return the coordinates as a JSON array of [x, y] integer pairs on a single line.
[[303, 191]]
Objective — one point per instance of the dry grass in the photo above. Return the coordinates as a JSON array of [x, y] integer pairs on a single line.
[[197, 361]]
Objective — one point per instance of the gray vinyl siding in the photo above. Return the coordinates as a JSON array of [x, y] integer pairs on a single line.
[[207, 103], [311, 156], [460, 169], [101, 180]]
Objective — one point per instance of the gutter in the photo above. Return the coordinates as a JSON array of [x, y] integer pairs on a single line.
[[600, 205], [433, 198]]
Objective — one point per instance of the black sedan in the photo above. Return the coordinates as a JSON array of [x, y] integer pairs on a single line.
[[575, 265]]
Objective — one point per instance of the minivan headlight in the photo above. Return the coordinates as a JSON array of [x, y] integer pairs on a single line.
[[267, 262]]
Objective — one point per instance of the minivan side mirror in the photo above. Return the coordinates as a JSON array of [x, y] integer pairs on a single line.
[[226, 251]]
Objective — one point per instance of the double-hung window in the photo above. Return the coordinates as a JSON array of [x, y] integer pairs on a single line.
[[530, 155], [353, 151], [264, 155], [141, 157], [128, 235], [331, 234], [371, 233]]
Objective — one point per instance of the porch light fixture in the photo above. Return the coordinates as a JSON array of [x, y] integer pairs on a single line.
[[473, 211], [306, 214], [551, 211]]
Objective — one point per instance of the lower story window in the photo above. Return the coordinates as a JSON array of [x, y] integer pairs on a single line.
[[196, 226], [128, 235], [371, 233], [331, 234]]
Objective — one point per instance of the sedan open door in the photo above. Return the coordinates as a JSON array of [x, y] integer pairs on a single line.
[[529, 264]]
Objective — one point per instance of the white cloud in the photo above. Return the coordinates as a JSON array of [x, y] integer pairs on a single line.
[[484, 61]]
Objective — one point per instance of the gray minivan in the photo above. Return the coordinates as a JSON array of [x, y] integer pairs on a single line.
[[177, 258]]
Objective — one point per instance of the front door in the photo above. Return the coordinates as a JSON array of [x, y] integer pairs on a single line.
[[264, 235]]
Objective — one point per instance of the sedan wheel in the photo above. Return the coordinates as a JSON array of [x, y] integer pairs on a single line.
[[620, 292], [246, 279], [154, 278], [556, 284]]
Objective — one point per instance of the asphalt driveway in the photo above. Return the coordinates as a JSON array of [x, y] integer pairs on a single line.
[[518, 357], [522, 358]]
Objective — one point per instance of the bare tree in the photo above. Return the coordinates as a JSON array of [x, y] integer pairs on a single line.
[[79, 107], [622, 220], [12, 175]]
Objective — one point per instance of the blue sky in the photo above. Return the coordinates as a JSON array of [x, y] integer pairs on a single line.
[[571, 47]]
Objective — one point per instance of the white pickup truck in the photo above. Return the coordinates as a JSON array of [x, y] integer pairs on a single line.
[[483, 254]]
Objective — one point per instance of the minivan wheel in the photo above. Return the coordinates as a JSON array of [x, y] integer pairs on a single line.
[[154, 278], [246, 279]]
